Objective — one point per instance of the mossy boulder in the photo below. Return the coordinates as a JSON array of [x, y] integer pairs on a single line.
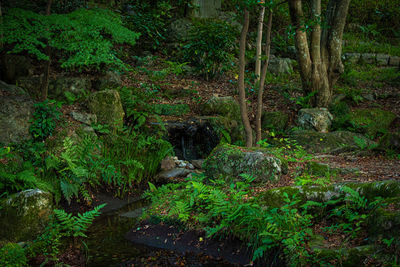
[[24, 215], [231, 161], [348, 256], [16, 111], [318, 119], [333, 142], [108, 107], [322, 169], [371, 121], [225, 106], [383, 189], [274, 121]]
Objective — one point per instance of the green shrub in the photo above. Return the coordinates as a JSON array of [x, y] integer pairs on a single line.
[[12, 255], [174, 110], [150, 22], [85, 37], [44, 119], [210, 47]]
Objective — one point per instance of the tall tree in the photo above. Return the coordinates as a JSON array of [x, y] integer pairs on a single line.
[[242, 93], [320, 57], [45, 82], [262, 78]]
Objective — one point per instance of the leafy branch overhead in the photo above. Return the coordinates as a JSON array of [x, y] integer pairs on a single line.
[[85, 36]]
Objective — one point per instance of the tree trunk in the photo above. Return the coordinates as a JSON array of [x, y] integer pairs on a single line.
[[262, 80], [320, 64], [45, 82], [242, 93], [257, 71]]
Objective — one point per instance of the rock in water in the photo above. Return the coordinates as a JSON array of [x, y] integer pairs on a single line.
[[231, 161], [108, 107], [24, 215], [318, 119], [16, 109]]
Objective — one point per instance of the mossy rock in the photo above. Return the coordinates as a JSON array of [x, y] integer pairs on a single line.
[[24, 215], [274, 121], [384, 189], [225, 106], [108, 107], [333, 142], [322, 169], [384, 223], [371, 121], [231, 161]]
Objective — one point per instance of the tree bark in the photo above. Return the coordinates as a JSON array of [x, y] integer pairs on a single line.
[[45, 82], [262, 80], [257, 71], [242, 93], [320, 64]]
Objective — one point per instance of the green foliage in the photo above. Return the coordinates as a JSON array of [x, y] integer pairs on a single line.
[[150, 21], [76, 226], [16, 174], [81, 165], [62, 226], [44, 119], [351, 211], [210, 47], [85, 37], [12, 255], [230, 210]]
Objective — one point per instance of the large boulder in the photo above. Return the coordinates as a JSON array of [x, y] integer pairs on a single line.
[[371, 121], [318, 119], [274, 121], [333, 142], [390, 141], [232, 161], [24, 215], [16, 109], [225, 106], [108, 107]]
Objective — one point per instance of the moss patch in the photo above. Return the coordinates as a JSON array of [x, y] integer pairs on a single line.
[[274, 121]]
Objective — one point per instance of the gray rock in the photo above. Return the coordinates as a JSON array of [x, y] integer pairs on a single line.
[[318, 119], [24, 215], [394, 61], [280, 66], [111, 80], [231, 161], [382, 59], [368, 58], [352, 57], [168, 163], [107, 106], [198, 163], [173, 173], [16, 109], [83, 117]]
